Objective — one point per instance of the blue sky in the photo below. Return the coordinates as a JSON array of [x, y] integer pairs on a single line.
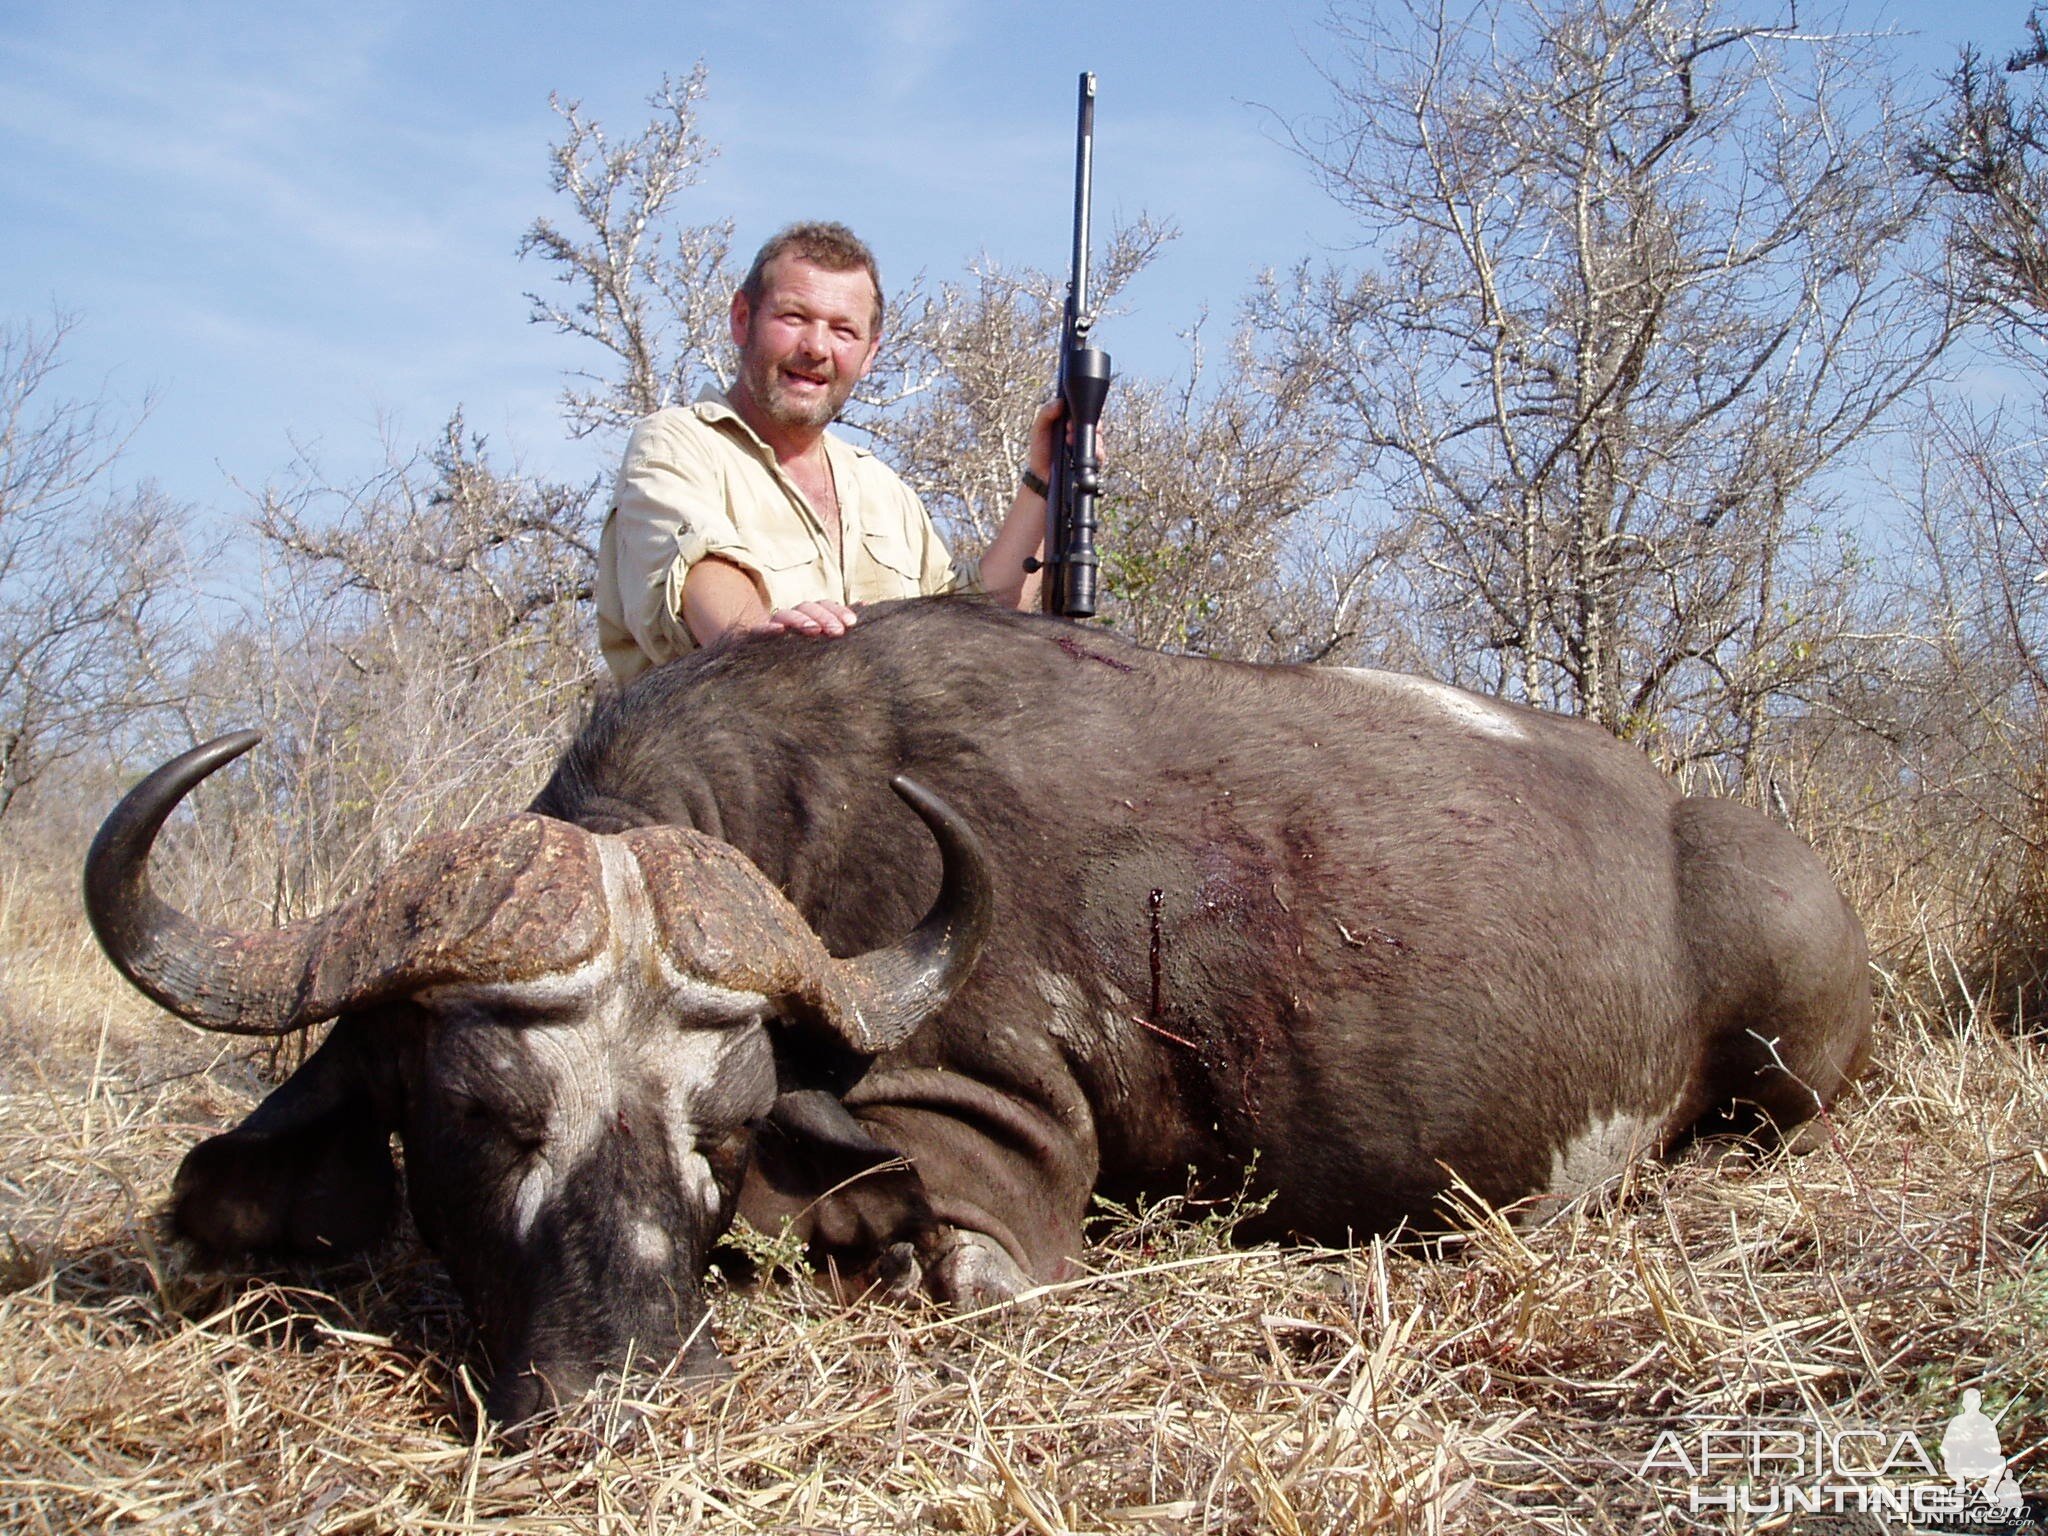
[[294, 225]]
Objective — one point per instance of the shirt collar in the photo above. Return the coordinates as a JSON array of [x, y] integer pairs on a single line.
[[714, 407]]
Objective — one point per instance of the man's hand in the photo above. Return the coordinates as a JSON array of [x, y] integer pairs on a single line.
[[1043, 425], [720, 598], [822, 617], [1022, 536]]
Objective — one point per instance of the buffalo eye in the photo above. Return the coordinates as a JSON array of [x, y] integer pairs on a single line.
[[516, 1129], [727, 1156]]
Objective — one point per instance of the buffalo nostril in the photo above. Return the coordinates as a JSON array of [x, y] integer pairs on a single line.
[[703, 1363], [514, 1407], [611, 1410], [524, 1401]]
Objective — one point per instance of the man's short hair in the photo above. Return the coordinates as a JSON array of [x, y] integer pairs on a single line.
[[831, 246]]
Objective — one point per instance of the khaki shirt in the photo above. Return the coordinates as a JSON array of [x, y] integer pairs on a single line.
[[697, 482]]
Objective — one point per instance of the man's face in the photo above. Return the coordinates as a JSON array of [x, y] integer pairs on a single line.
[[807, 343]]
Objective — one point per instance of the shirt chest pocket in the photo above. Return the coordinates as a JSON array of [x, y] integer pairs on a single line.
[[777, 541], [893, 569], [785, 559]]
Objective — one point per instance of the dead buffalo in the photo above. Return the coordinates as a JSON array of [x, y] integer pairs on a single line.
[[1356, 932]]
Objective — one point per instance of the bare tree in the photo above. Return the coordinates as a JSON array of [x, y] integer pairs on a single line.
[[1980, 583], [1990, 156], [1215, 539], [445, 544], [966, 367], [1984, 527], [93, 596], [418, 649], [1956, 705], [650, 292], [1644, 272], [1206, 481]]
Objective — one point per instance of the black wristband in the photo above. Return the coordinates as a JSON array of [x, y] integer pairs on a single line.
[[1035, 483]]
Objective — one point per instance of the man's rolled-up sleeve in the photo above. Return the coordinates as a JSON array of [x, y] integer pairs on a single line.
[[939, 572], [943, 573], [669, 512]]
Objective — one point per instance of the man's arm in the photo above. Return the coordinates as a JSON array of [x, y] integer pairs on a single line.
[[720, 597], [679, 561], [1022, 536], [669, 536]]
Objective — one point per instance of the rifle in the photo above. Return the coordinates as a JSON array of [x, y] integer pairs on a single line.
[[1076, 478]]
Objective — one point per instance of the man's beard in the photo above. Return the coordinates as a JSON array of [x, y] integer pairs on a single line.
[[780, 404]]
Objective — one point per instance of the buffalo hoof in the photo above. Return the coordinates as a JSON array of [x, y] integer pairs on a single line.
[[969, 1271], [1809, 1137], [898, 1275]]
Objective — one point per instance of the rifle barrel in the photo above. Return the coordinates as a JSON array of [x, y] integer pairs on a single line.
[[1071, 561], [1084, 191]]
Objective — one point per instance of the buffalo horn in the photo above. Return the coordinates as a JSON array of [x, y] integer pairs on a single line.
[[897, 988], [723, 921], [515, 899]]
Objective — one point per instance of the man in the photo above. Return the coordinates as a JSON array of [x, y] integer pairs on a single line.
[[742, 512]]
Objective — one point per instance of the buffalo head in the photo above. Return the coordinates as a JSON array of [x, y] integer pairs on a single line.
[[571, 1035]]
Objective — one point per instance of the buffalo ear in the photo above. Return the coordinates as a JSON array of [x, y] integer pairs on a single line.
[[851, 1195], [308, 1174]]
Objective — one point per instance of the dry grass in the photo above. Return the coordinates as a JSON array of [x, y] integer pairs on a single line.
[[1513, 1384]]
